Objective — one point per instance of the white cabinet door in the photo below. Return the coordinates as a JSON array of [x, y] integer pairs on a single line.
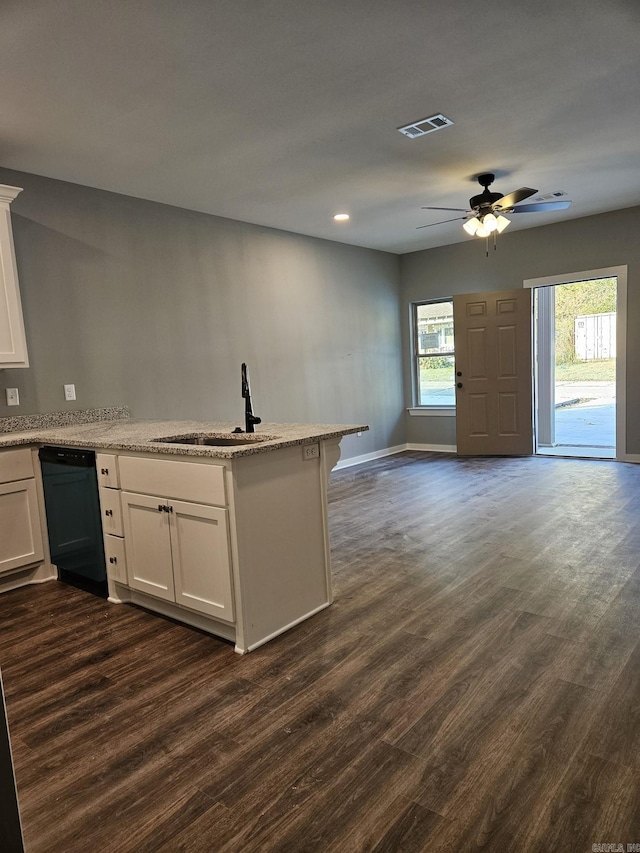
[[201, 562], [148, 545], [20, 535], [13, 344]]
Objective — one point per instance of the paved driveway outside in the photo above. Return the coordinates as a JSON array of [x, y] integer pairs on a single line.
[[590, 423]]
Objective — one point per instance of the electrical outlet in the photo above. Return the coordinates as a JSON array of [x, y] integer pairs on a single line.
[[13, 397], [69, 392], [311, 451], [359, 434]]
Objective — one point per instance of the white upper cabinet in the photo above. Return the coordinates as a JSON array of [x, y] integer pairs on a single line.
[[13, 344]]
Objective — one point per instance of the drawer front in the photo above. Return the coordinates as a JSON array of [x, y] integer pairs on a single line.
[[189, 481], [107, 465], [115, 556], [15, 464], [111, 512]]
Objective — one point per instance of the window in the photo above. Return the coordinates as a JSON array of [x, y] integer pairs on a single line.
[[434, 353]]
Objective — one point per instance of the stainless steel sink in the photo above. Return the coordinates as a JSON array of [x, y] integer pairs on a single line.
[[215, 439]]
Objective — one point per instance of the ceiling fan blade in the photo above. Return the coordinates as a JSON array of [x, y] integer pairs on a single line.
[[515, 197], [455, 219], [541, 206], [461, 209]]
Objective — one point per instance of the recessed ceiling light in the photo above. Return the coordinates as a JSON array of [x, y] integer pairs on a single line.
[[341, 217]]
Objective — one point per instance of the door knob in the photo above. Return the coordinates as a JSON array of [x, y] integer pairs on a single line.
[[458, 384], [459, 373]]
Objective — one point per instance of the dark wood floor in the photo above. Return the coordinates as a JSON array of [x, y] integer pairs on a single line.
[[476, 684]]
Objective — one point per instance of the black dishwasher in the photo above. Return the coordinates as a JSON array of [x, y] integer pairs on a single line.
[[73, 517]]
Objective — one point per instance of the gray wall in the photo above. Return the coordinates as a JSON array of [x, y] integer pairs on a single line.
[[609, 239], [155, 307]]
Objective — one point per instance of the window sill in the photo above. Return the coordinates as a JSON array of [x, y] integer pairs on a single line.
[[432, 411]]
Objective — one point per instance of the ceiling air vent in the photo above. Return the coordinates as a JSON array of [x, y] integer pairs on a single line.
[[551, 196], [425, 125]]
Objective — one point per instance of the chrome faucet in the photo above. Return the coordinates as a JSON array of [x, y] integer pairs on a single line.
[[249, 418]]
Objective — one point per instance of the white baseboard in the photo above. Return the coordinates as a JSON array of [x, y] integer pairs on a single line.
[[368, 457], [434, 448], [390, 451], [430, 448], [22, 577]]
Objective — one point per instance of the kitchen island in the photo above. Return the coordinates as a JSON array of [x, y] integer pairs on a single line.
[[231, 539]]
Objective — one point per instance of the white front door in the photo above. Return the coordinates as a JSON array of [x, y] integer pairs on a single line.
[[493, 373]]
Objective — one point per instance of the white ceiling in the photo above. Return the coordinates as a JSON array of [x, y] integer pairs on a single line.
[[283, 112]]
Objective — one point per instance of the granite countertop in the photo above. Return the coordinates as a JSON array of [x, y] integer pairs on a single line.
[[138, 435]]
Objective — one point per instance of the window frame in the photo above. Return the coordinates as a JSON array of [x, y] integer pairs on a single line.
[[416, 356]]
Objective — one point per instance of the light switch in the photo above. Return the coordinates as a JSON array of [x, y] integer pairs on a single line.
[[13, 397], [69, 392]]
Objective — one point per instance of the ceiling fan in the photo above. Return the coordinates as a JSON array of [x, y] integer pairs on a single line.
[[485, 215]]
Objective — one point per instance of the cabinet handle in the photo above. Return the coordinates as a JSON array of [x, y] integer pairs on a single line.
[[104, 470], [113, 559], [169, 508], [108, 512], [160, 508]]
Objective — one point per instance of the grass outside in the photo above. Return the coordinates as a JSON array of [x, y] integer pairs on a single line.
[[437, 374], [580, 371], [587, 371]]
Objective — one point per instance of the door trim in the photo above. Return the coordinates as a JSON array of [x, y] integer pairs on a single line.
[[620, 272]]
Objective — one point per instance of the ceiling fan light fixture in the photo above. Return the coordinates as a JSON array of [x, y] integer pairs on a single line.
[[485, 214], [490, 223], [486, 225]]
